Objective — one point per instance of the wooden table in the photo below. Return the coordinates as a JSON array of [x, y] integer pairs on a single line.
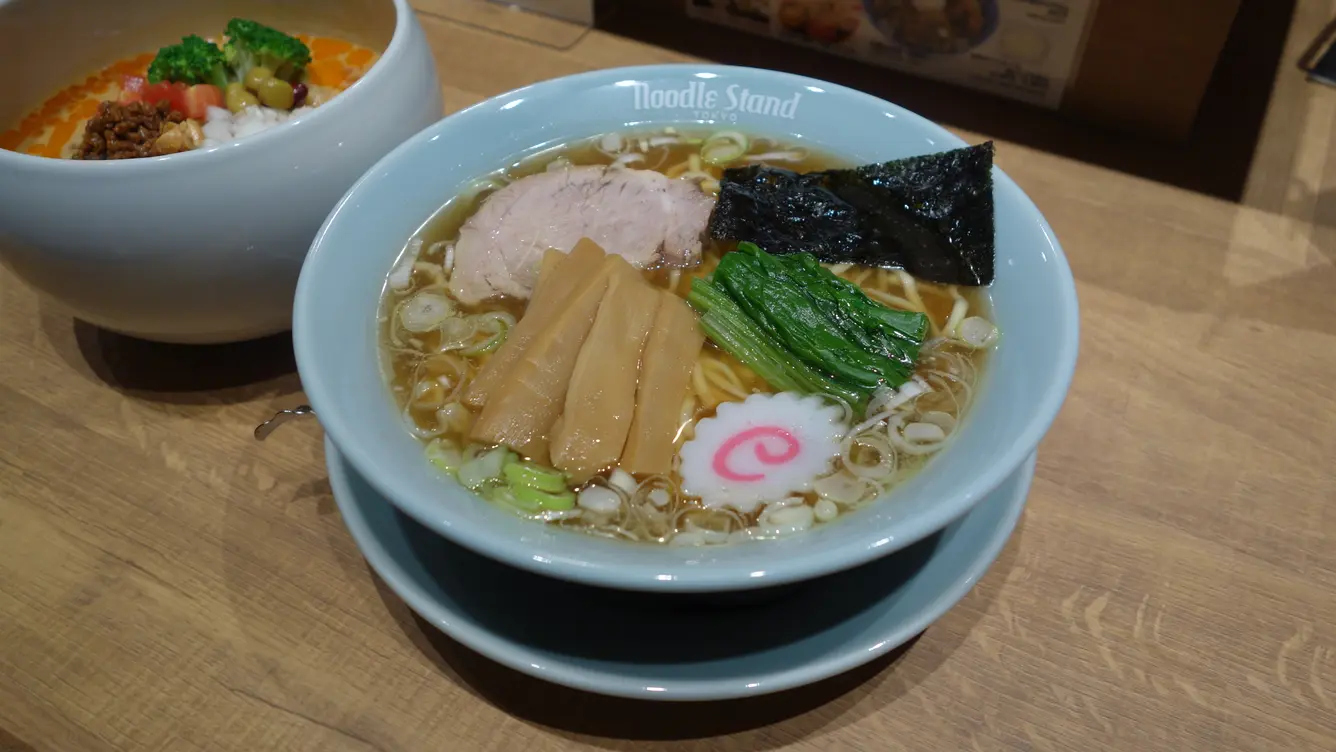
[[169, 583]]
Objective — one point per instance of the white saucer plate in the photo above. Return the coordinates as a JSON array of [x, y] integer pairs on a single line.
[[676, 647]]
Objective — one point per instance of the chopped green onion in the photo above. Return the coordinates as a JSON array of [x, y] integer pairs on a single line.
[[453, 416], [977, 332], [445, 455], [488, 345], [505, 495], [484, 468], [721, 154], [525, 474], [425, 311], [554, 502], [502, 322], [724, 147]]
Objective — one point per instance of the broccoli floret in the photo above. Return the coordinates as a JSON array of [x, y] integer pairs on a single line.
[[193, 61], [250, 44]]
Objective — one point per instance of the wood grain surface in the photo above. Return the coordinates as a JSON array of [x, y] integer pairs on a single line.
[[169, 583]]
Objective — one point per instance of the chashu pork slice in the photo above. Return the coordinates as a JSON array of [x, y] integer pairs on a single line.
[[641, 215]]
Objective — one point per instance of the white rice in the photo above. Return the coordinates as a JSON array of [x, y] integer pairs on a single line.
[[223, 126]]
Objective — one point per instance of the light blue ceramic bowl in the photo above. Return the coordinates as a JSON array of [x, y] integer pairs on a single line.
[[335, 327]]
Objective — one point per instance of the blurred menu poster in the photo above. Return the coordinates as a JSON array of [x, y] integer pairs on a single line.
[[553, 23], [1021, 49]]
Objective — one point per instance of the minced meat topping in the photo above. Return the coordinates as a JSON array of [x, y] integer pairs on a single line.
[[125, 131]]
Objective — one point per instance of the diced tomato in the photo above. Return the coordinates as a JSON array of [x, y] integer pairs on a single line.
[[137, 89], [191, 101], [196, 100], [164, 91]]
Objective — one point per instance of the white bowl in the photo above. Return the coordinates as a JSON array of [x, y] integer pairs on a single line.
[[338, 352], [202, 246]]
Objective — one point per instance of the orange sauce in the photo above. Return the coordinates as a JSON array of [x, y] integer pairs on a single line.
[[56, 127]]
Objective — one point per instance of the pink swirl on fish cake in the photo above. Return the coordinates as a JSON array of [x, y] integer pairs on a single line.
[[759, 433]]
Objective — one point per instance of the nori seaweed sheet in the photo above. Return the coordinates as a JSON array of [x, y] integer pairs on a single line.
[[931, 216]]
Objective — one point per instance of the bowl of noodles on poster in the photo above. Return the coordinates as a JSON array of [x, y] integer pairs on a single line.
[[935, 27]]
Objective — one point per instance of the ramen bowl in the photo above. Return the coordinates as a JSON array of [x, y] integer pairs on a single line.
[[337, 332], [205, 245]]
